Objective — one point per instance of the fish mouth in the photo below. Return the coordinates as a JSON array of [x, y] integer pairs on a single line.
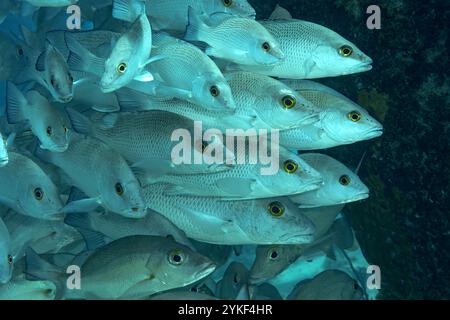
[[59, 216], [374, 133], [309, 119], [297, 239], [314, 184], [60, 149], [206, 270], [254, 279], [359, 197], [67, 98]]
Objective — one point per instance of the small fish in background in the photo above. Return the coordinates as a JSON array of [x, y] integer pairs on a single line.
[[172, 15], [234, 279], [13, 57], [328, 285], [47, 66], [218, 254], [270, 101], [239, 40], [187, 73], [29, 190], [21, 288], [129, 268], [6, 256], [273, 260], [342, 121], [244, 181], [266, 221], [114, 227], [340, 184], [43, 236], [311, 50], [101, 173], [44, 120]]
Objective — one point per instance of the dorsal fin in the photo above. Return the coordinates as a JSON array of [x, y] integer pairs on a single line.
[[280, 13]]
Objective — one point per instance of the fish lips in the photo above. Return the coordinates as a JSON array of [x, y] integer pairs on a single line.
[[205, 270]]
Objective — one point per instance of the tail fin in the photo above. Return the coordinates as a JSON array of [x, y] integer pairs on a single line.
[[15, 104], [195, 27], [128, 10]]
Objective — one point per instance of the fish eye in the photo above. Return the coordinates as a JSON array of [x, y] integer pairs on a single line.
[[20, 51], [288, 102], [49, 131], [273, 254], [52, 81], [344, 180], [355, 285], [236, 278], [276, 209], [66, 130], [119, 188], [290, 166], [227, 3], [38, 194], [176, 257], [215, 92], [345, 51], [266, 46], [121, 68], [355, 116], [10, 259]]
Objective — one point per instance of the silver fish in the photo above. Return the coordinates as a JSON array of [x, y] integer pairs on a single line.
[[311, 50], [45, 121], [213, 221], [341, 122], [235, 277], [129, 268], [245, 181], [328, 285], [187, 73], [240, 40], [144, 139], [102, 174], [340, 184], [29, 191]]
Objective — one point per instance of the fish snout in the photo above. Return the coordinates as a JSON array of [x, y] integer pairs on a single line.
[[67, 98]]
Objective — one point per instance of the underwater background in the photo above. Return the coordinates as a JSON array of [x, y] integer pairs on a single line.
[[404, 227]]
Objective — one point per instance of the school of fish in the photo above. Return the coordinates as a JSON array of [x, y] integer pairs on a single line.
[[87, 169]]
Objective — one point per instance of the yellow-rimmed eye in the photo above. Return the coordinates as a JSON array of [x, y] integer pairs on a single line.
[[121, 68], [289, 102], [215, 92], [10, 259], [38, 194], [273, 254], [266, 46], [276, 209], [346, 51], [354, 116], [227, 3], [290, 166], [345, 180], [176, 257], [119, 188]]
